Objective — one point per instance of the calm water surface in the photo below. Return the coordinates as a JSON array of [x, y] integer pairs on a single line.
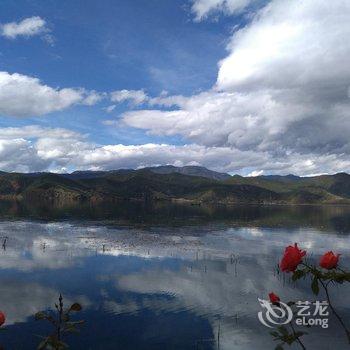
[[162, 277]]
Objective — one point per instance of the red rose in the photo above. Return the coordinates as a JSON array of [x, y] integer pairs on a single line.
[[275, 299], [2, 318], [329, 260], [292, 258]]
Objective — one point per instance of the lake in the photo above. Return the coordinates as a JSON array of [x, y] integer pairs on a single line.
[[161, 276]]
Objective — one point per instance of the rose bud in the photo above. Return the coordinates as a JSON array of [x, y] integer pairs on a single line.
[[2, 318], [292, 258], [275, 299], [329, 260]]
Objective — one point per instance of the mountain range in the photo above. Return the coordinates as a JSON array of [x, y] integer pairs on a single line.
[[190, 184]]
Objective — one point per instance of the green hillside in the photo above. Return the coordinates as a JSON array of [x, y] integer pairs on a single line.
[[319, 189], [149, 184]]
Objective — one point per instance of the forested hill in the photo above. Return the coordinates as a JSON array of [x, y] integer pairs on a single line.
[[189, 184]]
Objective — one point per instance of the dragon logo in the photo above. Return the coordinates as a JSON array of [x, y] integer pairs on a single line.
[[274, 315]]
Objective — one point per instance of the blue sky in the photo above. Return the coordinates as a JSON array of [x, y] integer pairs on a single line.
[[114, 45], [110, 45], [243, 86]]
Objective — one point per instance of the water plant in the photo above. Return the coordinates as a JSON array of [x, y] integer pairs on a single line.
[[61, 323]]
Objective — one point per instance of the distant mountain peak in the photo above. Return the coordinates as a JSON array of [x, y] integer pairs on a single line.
[[190, 170]]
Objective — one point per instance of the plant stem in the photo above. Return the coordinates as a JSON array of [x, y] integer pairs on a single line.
[[347, 332], [60, 311], [297, 338]]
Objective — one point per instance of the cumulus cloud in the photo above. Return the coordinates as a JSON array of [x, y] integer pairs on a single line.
[[24, 96], [28, 27], [136, 97], [280, 103], [281, 92], [36, 148], [204, 8], [19, 153], [92, 98]]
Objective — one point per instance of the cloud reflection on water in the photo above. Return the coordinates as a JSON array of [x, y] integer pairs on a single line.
[[216, 274]]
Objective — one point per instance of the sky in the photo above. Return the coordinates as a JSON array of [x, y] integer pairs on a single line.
[[247, 87]]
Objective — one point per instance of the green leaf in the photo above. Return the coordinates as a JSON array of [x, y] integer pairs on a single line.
[[75, 307], [63, 345], [73, 323], [40, 315], [279, 347], [290, 340], [298, 274], [283, 330], [71, 329], [347, 276], [42, 344], [314, 286], [51, 319]]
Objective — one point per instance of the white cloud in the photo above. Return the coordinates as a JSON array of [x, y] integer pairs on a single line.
[[244, 121], [110, 109], [136, 97], [290, 44], [280, 104], [204, 8], [217, 286], [18, 151], [92, 98], [19, 155], [281, 91], [24, 96], [255, 173], [28, 27], [35, 131], [35, 148]]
